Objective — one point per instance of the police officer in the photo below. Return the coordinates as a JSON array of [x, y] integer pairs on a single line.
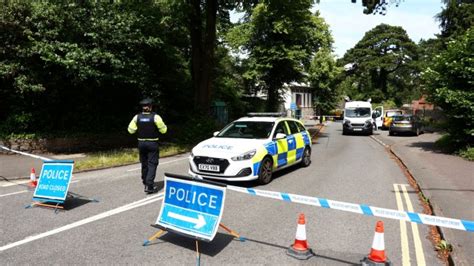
[[148, 125]]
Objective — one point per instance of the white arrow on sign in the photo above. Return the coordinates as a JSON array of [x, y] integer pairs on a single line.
[[200, 221]]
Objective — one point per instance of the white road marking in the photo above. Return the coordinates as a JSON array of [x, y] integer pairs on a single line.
[[13, 193], [99, 216], [135, 169], [15, 183], [18, 183]]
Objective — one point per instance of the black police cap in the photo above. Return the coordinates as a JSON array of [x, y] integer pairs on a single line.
[[146, 101]]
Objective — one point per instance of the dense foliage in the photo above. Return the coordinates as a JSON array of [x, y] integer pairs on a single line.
[[280, 38], [451, 85], [83, 67], [380, 66], [323, 77], [456, 17]]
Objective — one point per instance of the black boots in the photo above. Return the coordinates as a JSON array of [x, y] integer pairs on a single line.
[[151, 189]]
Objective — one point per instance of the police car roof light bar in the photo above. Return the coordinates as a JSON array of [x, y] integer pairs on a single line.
[[276, 114]]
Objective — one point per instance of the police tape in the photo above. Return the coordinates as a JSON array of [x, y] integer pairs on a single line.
[[25, 153], [464, 225]]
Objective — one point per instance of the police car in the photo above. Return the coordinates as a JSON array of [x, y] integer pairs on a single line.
[[252, 148]]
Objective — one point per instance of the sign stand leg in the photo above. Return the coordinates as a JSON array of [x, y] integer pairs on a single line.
[[43, 204], [198, 255], [56, 208], [232, 232], [155, 236]]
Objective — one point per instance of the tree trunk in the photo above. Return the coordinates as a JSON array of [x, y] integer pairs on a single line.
[[383, 81], [202, 52], [272, 100]]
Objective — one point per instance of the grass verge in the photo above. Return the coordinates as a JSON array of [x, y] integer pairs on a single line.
[[449, 145], [97, 160], [467, 153]]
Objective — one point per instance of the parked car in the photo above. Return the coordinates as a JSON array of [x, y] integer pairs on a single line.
[[387, 118], [252, 148], [405, 124]]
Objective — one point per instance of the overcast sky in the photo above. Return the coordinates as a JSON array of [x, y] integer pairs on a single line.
[[348, 24]]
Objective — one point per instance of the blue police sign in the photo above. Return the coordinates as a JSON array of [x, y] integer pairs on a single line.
[[54, 180], [293, 106], [192, 207]]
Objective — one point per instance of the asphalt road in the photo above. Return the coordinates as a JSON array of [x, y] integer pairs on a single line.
[[446, 180], [353, 169]]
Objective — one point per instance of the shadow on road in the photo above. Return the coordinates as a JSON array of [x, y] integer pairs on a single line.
[[285, 248], [211, 249], [75, 200], [160, 185], [320, 136], [73, 203], [428, 146], [253, 184]]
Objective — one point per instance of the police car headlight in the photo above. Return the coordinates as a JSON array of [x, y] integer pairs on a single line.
[[244, 156], [368, 122], [346, 121]]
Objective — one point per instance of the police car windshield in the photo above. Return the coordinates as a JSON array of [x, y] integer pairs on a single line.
[[247, 130], [358, 112]]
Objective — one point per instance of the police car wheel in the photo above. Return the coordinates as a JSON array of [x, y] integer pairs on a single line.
[[265, 172], [306, 161]]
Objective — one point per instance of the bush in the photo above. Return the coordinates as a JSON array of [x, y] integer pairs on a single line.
[[449, 144], [449, 83], [195, 130], [467, 153]]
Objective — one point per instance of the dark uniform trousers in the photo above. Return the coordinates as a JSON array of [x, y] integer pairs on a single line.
[[149, 155]]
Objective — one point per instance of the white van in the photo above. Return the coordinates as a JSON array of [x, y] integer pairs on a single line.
[[359, 117]]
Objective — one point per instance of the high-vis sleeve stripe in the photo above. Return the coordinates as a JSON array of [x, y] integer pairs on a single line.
[[132, 127], [160, 124]]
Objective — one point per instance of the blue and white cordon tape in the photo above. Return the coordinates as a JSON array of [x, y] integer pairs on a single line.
[[25, 153], [464, 225]]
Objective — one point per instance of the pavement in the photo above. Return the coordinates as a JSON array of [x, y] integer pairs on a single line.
[[15, 166], [446, 180]]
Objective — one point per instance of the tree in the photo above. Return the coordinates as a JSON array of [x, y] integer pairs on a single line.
[[375, 6], [381, 64], [456, 18], [280, 38], [451, 87], [378, 6], [323, 73], [203, 41], [61, 61]]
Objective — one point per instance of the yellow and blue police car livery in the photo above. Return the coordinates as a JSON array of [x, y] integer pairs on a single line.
[[283, 153], [233, 156]]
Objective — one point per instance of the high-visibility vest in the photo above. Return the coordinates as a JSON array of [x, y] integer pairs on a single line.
[[146, 127]]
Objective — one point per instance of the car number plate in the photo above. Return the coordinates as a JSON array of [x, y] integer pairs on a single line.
[[209, 167], [357, 129]]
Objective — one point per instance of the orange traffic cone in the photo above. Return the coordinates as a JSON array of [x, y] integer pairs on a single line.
[[300, 248], [33, 181], [377, 252]]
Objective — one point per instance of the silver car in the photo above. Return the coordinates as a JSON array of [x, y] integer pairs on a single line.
[[410, 124]]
